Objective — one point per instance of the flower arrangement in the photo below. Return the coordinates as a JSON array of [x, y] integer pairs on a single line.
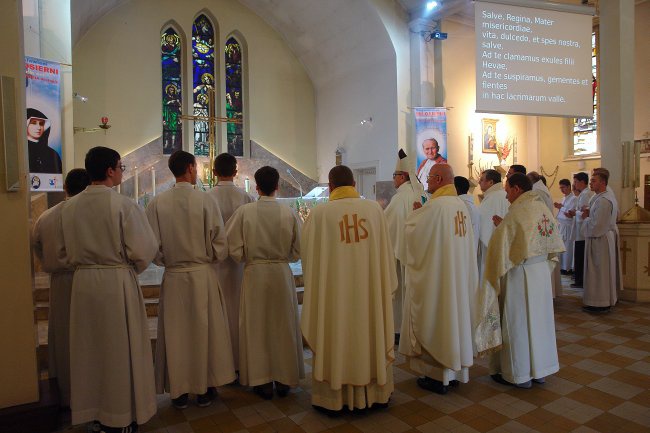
[[503, 150], [303, 207]]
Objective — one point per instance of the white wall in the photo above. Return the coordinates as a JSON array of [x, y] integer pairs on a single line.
[[117, 66]]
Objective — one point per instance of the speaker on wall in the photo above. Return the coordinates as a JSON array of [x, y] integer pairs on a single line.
[[8, 133]]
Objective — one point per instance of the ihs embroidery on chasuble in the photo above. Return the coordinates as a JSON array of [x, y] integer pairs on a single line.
[[545, 226], [352, 229], [460, 224]]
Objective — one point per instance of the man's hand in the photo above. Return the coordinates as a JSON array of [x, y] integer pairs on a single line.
[[496, 220], [571, 213], [585, 213], [557, 205], [417, 205]]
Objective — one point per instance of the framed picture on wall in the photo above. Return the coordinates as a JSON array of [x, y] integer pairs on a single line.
[[644, 145], [489, 135]]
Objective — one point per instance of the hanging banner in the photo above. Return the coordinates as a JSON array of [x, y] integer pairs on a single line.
[[43, 123], [430, 139]]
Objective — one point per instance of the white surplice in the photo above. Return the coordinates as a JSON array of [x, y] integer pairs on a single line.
[[566, 230], [520, 259], [494, 203], [193, 350], [230, 197], [441, 289], [475, 216], [400, 206], [49, 247], [265, 235], [583, 200], [556, 276], [108, 239], [602, 278], [347, 316]]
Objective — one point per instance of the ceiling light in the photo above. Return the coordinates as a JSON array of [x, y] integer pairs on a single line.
[[431, 5]]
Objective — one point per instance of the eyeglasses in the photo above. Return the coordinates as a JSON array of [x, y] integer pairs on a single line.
[[434, 176], [398, 174], [122, 167]]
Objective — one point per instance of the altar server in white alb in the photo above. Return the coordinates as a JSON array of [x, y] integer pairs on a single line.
[[347, 315], [492, 210], [520, 258], [193, 350], [229, 197], [265, 236], [47, 241], [565, 221], [442, 284], [581, 183], [109, 241], [400, 206], [603, 276], [462, 186]]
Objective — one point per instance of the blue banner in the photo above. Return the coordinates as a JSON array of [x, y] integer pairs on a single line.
[[430, 139]]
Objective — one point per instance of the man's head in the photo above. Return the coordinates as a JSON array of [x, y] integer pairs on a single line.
[[599, 179], [399, 177], [183, 166], [462, 185], [516, 168], [104, 165], [225, 166], [430, 148], [340, 175], [534, 177], [580, 181], [516, 185], [267, 179], [565, 186], [439, 176], [76, 181], [488, 179]]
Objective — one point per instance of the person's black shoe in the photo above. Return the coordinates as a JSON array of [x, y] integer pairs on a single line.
[[380, 405], [205, 400], [131, 428], [569, 272], [564, 272], [590, 309], [329, 412], [180, 402], [499, 379], [281, 389], [397, 339], [432, 385], [454, 383], [265, 391]]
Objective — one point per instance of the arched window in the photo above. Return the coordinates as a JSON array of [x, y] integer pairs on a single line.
[[585, 130], [234, 97], [170, 51], [202, 80]]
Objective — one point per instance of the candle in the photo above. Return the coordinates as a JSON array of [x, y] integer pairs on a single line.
[[136, 185], [153, 181], [470, 148], [247, 185], [514, 150]]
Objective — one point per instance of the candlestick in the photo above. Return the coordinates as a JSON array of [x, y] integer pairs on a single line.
[[136, 185], [119, 191], [153, 181], [247, 185]]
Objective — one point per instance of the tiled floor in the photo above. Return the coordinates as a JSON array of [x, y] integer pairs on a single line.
[[603, 386]]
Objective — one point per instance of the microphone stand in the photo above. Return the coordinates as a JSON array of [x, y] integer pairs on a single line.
[[295, 180]]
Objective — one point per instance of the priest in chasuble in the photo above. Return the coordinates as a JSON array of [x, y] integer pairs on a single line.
[[521, 256], [442, 287], [347, 316], [400, 206]]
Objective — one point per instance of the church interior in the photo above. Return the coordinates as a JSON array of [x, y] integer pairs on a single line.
[[312, 84]]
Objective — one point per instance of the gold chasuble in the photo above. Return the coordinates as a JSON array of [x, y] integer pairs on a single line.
[[347, 316]]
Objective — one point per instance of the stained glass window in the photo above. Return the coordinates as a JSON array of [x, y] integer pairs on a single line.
[[202, 80], [585, 130], [234, 97], [170, 51]]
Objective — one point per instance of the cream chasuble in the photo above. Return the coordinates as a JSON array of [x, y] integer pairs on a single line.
[[442, 285], [108, 240], [545, 195], [230, 197], [193, 350], [347, 316], [475, 217], [522, 252], [47, 241], [265, 235], [603, 276], [400, 206], [494, 203]]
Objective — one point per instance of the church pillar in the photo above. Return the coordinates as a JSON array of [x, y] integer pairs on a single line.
[[18, 371], [423, 58], [616, 91]]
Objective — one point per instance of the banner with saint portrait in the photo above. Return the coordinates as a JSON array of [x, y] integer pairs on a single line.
[[430, 139], [43, 124]]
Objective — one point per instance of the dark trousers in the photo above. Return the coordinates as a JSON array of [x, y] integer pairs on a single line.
[[579, 262]]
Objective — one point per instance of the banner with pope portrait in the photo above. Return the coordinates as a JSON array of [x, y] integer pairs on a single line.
[[430, 139]]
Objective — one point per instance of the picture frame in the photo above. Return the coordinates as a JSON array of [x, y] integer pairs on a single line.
[[489, 135], [644, 145]]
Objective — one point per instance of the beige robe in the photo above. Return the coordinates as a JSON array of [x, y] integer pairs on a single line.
[[520, 258], [230, 197], [266, 236], [108, 239], [399, 208], [441, 289], [494, 203], [48, 246], [603, 278], [193, 350], [556, 276], [347, 316]]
